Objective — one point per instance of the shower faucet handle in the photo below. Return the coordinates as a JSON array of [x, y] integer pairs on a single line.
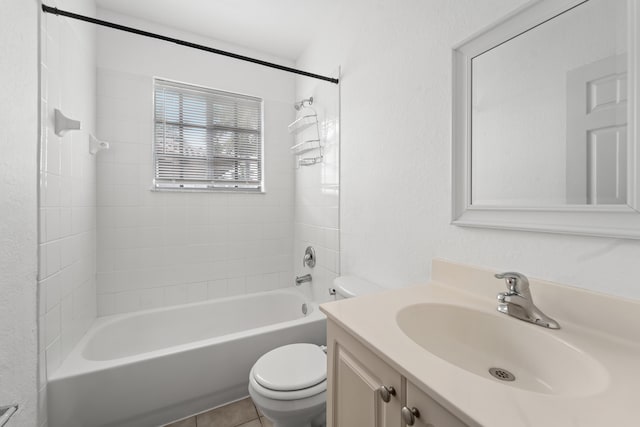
[[309, 258]]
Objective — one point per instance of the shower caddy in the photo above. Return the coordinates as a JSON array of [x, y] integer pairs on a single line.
[[311, 140]]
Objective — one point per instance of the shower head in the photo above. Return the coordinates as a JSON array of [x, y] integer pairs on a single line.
[[301, 104]]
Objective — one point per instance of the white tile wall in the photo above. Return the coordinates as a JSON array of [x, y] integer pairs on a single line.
[[67, 230], [162, 248], [317, 193], [158, 248]]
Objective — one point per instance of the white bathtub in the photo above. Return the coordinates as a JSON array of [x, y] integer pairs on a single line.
[[153, 367]]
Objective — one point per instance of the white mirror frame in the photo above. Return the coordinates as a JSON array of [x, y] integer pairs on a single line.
[[619, 221]]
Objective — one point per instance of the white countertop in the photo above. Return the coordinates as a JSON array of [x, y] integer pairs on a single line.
[[605, 328]]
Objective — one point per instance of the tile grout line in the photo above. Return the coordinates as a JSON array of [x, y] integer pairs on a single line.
[[257, 412], [257, 415]]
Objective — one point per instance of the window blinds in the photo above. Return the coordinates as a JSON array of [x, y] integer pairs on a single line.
[[206, 138]]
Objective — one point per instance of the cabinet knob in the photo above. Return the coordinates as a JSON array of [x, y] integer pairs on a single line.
[[386, 393], [409, 415]]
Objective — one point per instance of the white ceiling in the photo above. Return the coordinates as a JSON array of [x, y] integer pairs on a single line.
[[278, 27]]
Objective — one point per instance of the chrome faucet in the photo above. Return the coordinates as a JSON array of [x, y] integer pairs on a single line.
[[302, 279], [517, 301]]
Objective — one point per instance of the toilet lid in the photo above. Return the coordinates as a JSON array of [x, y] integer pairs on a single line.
[[291, 367]]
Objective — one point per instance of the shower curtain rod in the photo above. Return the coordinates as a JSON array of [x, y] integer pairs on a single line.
[[56, 11]]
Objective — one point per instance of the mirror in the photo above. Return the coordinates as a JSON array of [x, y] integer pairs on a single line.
[[544, 120]]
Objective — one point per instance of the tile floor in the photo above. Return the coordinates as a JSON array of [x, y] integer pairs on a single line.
[[242, 413]]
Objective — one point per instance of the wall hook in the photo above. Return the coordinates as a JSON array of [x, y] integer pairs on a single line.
[[96, 145], [62, 123]]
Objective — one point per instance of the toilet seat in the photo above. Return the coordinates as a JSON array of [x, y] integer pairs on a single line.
[[291, 372]]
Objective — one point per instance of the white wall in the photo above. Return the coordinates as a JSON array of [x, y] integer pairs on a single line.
[[395, 112], [317, 189], [67, 235], [18, 208], [163, 248]]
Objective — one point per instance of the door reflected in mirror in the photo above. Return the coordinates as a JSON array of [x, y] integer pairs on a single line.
[[549, 112]]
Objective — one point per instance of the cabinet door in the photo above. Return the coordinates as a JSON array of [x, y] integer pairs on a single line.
[[355, 376], [432, 414]]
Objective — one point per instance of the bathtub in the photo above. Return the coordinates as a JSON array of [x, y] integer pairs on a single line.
[[153, 367]]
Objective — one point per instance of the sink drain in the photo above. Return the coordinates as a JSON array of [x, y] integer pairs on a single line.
[[502, 374]]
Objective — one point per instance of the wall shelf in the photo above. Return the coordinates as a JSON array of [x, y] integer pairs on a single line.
[[310, 139], [304, 146], [310, 161], [303, 122]]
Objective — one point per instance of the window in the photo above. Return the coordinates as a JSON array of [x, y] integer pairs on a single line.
[[206, 139]]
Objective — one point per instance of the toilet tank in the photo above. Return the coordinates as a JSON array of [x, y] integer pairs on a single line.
[[353, 286]]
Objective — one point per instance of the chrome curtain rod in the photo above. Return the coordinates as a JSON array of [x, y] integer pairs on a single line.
[[56, 11]]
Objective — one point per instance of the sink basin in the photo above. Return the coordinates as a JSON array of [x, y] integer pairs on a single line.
[[477, 341]]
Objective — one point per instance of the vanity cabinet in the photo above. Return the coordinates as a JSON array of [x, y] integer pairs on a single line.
[[432, 414], [365, 391], [359, 383]]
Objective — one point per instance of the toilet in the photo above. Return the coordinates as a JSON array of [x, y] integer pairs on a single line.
[[289, 383]]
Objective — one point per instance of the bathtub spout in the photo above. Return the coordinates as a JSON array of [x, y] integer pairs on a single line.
[[302, 279]]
